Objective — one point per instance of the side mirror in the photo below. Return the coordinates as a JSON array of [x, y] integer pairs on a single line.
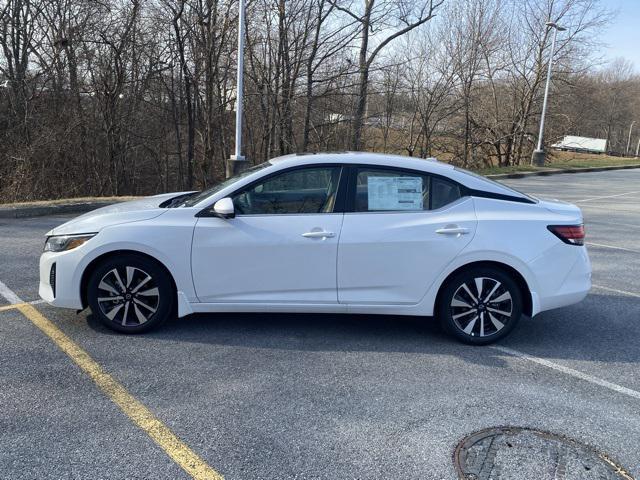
[[223, 208]]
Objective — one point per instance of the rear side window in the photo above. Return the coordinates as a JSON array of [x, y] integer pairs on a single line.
[[507, 190], [443, 192], [390, 190], [381, 189]]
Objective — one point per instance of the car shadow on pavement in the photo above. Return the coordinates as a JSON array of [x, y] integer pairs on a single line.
[[340, 333], [601, 328]]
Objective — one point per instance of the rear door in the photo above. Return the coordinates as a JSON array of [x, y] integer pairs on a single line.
[[400, 231]]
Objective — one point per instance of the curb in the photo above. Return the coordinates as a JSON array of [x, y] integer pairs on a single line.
[[83, 207], [44, 210], [555, 171]]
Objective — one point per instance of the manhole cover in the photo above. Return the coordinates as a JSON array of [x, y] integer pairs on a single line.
[[520, 453]]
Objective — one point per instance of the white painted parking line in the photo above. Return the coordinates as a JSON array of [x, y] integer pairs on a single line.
[[569, 371], [616, 224], [611, 208], [622, 292], [13, 299], [606, 196], [613, 247], [8, 294]]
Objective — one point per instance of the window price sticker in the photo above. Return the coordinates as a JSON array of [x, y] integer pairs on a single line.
[[394, 193]]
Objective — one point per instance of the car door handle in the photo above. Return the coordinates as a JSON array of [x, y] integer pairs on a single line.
[[319, 234], [452, 230]]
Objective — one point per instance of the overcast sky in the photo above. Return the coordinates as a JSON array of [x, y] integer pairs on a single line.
[[623, 35]]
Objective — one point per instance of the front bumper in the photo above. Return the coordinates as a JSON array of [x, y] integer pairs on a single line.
[[67, 289]]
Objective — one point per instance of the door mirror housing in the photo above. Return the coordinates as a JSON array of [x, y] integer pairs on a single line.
[[224, 208]]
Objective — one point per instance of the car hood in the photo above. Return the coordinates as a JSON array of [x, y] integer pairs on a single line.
[[125, 212]]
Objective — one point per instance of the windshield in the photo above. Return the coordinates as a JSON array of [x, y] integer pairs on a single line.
[[198, 197]]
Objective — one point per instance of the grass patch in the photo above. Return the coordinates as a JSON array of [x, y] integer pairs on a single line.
[[564, 160]]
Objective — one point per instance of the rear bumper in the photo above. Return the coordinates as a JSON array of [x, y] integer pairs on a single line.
[[559, 291]]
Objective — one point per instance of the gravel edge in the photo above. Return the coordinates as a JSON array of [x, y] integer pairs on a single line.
[[45, 210]]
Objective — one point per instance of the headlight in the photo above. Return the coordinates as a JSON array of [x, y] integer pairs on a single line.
[[61, 243]]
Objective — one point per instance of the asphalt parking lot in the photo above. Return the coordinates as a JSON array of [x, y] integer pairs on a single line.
[[324, 396]]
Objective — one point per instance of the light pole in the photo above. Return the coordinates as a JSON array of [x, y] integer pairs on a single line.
[[237, 162], [538, 154], [626, 152]]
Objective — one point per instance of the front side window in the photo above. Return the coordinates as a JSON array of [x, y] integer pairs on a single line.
[[307, 190], [390, 190]]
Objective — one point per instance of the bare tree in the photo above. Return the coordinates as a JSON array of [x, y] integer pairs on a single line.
[[431, 82], [399, 17], [130, 97]]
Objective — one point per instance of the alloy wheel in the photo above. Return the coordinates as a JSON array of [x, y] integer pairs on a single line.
[[128, 296], [481, 307]]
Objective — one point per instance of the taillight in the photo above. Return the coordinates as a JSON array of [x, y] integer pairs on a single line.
[[571, 234]]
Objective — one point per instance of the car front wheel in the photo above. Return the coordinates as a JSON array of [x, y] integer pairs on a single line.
[[130, 294], [480, 305]]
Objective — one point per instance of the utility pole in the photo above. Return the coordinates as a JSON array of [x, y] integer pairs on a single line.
[[626, 152], [238, 162], [538, 156]]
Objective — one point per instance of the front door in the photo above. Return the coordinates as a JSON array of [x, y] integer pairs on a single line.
[[402, 231], [280, 248]]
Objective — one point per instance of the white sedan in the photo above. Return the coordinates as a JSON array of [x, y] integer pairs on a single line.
[[329, 233]]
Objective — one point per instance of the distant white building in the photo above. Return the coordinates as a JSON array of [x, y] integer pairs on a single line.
[[581, 144], [337, 118]]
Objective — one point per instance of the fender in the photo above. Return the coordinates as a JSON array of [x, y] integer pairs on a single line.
[[427, 304], [178, 265]]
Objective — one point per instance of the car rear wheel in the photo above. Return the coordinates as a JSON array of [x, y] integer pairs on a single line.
[[480, 305], [130, 294]]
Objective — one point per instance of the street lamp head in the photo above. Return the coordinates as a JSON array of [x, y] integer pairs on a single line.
[[556, 26]]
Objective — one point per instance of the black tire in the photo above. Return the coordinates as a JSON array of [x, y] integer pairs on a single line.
[[480, 322], [144, 304]]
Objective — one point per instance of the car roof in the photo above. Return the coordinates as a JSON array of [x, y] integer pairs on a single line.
[[369, 158]]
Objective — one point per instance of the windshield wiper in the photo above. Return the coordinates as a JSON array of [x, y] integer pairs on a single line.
[[177, 201]]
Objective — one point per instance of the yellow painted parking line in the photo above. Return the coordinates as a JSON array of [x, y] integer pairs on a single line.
[[13, 306], [140, 415]]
